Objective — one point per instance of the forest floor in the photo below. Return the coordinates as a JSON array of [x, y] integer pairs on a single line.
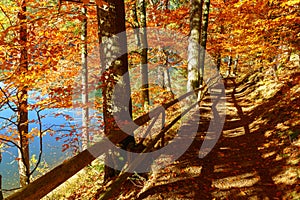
[[256, 157]]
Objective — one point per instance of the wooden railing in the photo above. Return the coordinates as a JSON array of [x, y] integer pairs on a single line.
[[48, 182]]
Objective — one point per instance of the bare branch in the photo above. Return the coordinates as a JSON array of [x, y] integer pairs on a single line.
[[7, 119], [6, 15], [9, 141], [7, 101], [9, 190], [41, 142], [2, 26]]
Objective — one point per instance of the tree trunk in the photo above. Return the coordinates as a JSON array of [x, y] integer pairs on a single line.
[[114, 63], [219, 62], [228, 71], [23, 152], [167, 80], [135, 24], [144, 51], [194, 44], [1, 194], [204, 39], [236, 61], [166, 74], [84, 80]]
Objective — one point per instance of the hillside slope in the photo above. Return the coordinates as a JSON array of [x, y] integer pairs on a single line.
[[256, 157]]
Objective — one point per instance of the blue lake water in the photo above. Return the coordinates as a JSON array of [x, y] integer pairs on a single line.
[[52, 148]]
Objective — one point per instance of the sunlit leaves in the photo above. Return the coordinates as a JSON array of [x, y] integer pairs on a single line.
[[258, 30]]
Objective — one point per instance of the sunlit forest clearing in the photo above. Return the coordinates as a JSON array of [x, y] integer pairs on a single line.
[[141, 99]]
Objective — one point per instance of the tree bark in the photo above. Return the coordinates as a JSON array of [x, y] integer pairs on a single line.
[[204, 39], [144, 51], [84, 81], [229, 63], [23, 152], [236, 61], [194, 44], [219, 62], [116, 98], [1, 194], [166, 74]]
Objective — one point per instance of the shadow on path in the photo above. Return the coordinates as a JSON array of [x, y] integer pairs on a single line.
[[247, 162]]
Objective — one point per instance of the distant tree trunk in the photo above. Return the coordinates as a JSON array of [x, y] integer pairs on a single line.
[[135, 24], [84, 80], [167, 80], [194, 43], [144, 51], [219, 54], [236, 61], [219, 62], [23, 152], [166, 4], [115, 68], [204, 39], [229, 63], [166, 74]]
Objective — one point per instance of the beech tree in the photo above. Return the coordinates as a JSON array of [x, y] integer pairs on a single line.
[[31, 51], [24, 167], [84, 81], [144, 51], [194, 74], [204, 38], [265, 31], [115, 79]]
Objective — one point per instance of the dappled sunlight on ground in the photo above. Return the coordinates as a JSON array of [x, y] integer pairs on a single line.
[[257, 156], [254, 158], [238, 181]]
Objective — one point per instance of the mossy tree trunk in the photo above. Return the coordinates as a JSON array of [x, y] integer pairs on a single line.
[[194, 44], [144, 51], [204, 39], [115, 78]]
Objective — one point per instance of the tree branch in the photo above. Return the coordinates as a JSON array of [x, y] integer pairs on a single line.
[[7, 119], [41, 142], [9, 141], [7, 101], [6, 15]]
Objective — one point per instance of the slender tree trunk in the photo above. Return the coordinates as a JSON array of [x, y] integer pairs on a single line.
[[167, 80], [136, 24], [1, 194], [116, 98], [23, 153], [194, 44], [219, 62], [166, 74], [166, 4], [84, 79], [204, 38], [236, 61], [219, 54], [229, 63], [144, 51]]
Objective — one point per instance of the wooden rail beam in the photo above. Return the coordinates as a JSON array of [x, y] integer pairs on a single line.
[[48, 182]]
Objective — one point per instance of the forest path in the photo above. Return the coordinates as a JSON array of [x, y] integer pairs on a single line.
[[251, 160]]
